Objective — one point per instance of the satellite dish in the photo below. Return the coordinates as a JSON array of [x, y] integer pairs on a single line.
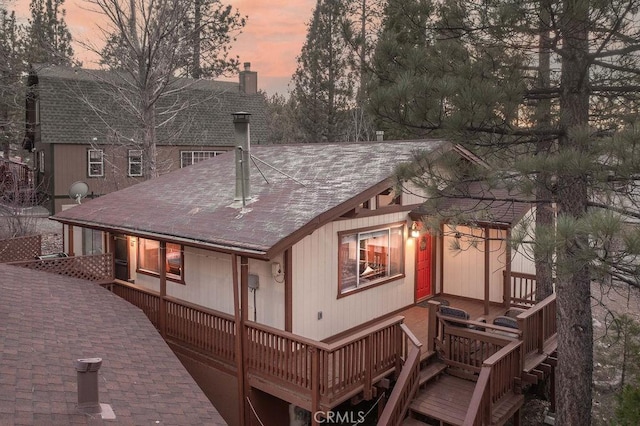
[[78, 190]]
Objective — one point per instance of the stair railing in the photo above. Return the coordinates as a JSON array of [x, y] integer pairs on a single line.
[[407, 384]]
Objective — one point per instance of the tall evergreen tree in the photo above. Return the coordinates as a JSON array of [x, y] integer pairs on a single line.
[[11, 91], [47, 38], [473, 71], [322, 84]]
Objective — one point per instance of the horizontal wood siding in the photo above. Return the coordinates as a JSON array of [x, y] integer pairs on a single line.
[[315, 283]]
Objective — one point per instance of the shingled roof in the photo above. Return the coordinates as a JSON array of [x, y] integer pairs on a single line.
[[296, 189], [48, 321], [479, 203], [77, 105]]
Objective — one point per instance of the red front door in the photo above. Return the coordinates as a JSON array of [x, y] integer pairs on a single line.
[[423, 267]]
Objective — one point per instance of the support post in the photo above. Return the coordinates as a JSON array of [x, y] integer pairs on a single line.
[[507, 274], [239, 325], [70, 248], [434, 305], [487, 269], [162, 314], [244, 317]]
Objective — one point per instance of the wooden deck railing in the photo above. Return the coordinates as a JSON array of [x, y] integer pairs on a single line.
[[538, 325], [497, 380], [406, 385], [205, 330], [521, 287], [20, 248], [147, 300], [97, 268], [327, 373]]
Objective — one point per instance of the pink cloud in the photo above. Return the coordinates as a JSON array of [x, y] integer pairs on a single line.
[[271, 40]]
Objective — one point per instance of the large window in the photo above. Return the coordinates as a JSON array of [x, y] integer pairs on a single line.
[[149, 259], [135, 162], [370, 256], [95, 163], [188, 158], [92, 242]]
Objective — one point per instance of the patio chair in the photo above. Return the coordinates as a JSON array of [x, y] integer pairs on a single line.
[[456, 313], [508, 322]]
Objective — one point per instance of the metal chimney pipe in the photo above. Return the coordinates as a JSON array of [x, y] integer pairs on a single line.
[[243, 156], [88, 401], [379, 135]]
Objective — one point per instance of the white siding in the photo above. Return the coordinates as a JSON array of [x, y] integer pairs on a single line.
[[464, 268], [522, 255], [315, 282]]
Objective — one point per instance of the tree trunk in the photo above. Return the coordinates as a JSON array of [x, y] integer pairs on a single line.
[[196, 71], [575, 329], [544, 210]]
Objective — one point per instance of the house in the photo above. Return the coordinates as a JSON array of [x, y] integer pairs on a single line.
[[283, 266], [77, 130], [48, 322]]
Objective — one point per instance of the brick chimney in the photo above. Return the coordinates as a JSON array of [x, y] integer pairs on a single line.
[[248, 80]]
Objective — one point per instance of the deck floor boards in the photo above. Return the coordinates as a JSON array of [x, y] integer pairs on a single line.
[[446, 399]]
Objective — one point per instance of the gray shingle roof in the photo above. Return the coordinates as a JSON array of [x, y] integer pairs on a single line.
[[66, 117], [196, 203], [48, 321], [478, 202]]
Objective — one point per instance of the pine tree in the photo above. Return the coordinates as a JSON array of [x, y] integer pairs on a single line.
[[471, 71], [47, 39], [322, 83], [11, 68]]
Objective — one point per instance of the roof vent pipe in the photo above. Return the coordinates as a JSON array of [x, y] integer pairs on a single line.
[[88, 401], [243, 156]]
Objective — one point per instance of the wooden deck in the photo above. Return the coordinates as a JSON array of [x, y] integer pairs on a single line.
[[417, 317]]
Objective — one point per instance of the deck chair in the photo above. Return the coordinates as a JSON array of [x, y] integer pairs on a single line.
[[456, 313], [508, 322]]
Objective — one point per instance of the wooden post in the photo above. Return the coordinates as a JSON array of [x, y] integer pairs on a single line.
[[162, 314], [368, 368], [433, 323], [239, 339], [70, 234], [487, 270], [288, 291], [507, 275], [315, 386], [244, 317]]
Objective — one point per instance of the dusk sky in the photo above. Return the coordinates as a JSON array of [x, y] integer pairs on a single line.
[[271, 40]]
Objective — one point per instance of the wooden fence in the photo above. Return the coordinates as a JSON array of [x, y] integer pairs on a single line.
[[20, 248], [97, 268]]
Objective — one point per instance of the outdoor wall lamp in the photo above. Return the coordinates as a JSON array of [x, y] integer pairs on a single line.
[[415, 232]]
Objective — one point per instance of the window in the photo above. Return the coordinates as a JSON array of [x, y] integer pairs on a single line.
[[92, 242], [149, 259], [370, 257], [95, 163], [41, 161], [188, 158], [135, 162]]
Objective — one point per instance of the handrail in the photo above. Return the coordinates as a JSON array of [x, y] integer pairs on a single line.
[[491, 386], [406, 385], [538, 325]]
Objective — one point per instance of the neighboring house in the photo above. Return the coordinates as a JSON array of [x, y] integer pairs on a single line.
[[309, 244], [75, 133], [48, 322]]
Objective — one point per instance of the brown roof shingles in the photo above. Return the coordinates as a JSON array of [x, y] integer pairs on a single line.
[[302, 182], [48, 321]]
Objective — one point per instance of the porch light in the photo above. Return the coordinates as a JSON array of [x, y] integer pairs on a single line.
[[415, 232]]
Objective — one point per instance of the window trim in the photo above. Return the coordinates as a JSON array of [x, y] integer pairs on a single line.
[[401, 274], [169, 276], [214, 153], [134, 154], [91, 162]]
